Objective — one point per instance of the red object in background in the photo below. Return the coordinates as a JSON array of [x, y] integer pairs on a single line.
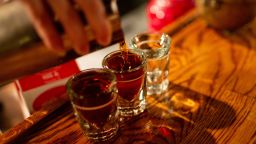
[[46, 88], [48, 76], [163, 12], [55, 94]]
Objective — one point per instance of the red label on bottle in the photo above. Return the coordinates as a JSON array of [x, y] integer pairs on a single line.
[[48, 76]]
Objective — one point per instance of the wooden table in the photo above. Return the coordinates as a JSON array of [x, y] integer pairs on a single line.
[[211, 98]]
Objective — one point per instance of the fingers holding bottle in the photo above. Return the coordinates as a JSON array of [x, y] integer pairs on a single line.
[[64, 11], [72, 24], [44, 25], [96, 15]]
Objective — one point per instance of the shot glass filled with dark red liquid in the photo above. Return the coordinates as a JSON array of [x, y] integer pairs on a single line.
[[129, 67], [93, 96]]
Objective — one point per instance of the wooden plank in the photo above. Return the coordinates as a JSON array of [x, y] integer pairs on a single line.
[[205, 59], [221, 65]]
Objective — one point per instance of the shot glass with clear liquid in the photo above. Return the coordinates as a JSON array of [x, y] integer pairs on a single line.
[[156, 46], [93, 96]]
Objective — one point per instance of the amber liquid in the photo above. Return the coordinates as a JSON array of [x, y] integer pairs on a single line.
[[130, 75], [124, 50], [95, 102]]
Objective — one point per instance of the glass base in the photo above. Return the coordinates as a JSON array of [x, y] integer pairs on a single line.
[[132, 108], [102, 135], [157, 89]]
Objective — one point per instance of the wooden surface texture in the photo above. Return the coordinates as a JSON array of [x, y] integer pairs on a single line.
[[211, 97]]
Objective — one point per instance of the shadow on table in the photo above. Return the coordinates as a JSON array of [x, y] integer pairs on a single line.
[[180, 115]]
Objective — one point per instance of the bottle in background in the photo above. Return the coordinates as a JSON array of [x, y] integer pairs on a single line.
[[163, 12]]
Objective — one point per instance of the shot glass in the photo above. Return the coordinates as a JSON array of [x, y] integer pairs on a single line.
[[156, 46], [93, 96], [130, 70]]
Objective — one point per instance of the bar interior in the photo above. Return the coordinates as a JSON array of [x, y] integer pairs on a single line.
[[137, 71]]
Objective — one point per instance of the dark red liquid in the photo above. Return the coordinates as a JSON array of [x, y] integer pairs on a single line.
[[95, 101], [131, 76]]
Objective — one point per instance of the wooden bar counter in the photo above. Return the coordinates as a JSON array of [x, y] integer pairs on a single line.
[[211, 97]]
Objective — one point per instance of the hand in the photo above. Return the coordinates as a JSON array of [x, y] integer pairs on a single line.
[[65, 12]]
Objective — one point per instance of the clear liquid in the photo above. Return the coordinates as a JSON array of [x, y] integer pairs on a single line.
[[153, 49], [157, 66]]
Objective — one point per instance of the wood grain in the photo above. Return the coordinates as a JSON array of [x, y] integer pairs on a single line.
[[211, 97], [221, 65]]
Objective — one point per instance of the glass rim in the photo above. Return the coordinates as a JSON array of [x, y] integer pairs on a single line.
[[142, 55], [160, 35], [70, 91], [152, 33], [91, 70]]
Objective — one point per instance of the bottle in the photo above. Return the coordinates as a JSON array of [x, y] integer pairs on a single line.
[[163, 12]]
